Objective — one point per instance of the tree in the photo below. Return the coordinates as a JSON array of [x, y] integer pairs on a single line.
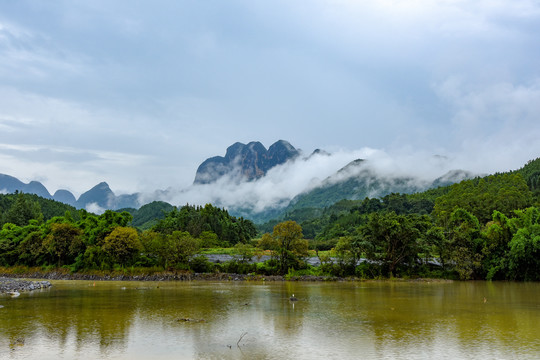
[[122, 245], [524, 252], [64, 242], [152, 243], [267, 242], [439, 243], [465, 243], [31, 250], [244, 253], [394, 239], [496, 237], [350, 250], [290, 244], [178, 249], [97, 228], [196, 220], [22, 211], [209, 239], [10, 237]]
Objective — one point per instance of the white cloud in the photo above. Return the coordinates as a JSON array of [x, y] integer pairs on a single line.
[[95, 208], [496, 126], [283, 182]]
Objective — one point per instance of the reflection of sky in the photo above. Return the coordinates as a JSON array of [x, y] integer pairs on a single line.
[[330, 320]]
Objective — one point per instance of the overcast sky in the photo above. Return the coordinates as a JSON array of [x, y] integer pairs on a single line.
[[139, 93]]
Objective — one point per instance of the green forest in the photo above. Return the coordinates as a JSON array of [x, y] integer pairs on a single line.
[[484, 228]]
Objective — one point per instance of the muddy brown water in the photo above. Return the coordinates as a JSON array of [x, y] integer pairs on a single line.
[[248, 320]]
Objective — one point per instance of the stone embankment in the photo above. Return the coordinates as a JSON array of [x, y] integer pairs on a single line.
[[15, 285], [169, 276]]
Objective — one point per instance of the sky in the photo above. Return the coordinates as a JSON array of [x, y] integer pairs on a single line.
[[139, 93]]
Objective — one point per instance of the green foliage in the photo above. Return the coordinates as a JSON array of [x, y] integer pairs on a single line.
[[531, 174], [200, 264], [22, 211], [482, 196], [464, 243], [349, 251], [30, 206], [64, 242], [244, 253], [496, 236], [290, 245], [149, 215], [197, 219], [393, 240], [121, 246], [97, 228], [210, 240], [31, 249], [178, 249], [524, 254]]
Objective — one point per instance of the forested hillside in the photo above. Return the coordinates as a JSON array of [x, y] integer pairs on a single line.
[[81, 240], [19, 208]]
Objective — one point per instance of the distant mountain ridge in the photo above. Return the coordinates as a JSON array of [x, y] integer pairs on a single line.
[[250, 163], [10, 184], [100, 196], [245, 162]]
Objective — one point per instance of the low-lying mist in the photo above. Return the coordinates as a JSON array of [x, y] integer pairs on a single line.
[[284, 182]]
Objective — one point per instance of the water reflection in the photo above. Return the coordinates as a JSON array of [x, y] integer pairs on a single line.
[[257, 320]]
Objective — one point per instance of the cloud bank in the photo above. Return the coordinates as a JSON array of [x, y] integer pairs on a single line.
[[284, 182]]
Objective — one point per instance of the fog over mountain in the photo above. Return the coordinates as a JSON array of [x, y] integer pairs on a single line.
[[254, 180], [305, 172]]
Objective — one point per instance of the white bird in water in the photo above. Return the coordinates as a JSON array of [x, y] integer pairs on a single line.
[[14, 293]]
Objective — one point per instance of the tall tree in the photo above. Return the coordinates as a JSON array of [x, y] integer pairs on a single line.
[[524, 252], [396, 239], [122, 245], [290, 244], [64, 242], [22, 211]]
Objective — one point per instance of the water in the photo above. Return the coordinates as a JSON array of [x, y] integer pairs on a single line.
[[248, 320]]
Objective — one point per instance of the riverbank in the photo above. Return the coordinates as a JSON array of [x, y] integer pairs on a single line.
[[9, 285], [161, 276], [65, 274]]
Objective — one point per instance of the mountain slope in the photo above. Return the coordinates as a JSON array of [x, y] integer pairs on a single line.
[[355, 181]]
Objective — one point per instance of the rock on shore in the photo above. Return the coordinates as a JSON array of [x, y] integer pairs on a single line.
[[16, 285]]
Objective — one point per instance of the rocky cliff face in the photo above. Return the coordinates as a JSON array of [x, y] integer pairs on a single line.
[[245, 162]]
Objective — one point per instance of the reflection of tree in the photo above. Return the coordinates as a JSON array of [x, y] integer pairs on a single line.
[[94, 315], [380, 319], [88, 315]]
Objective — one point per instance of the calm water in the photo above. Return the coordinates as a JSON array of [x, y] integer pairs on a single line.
[[131, 320]]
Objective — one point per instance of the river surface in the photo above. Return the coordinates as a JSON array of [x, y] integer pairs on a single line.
[[257, 320]]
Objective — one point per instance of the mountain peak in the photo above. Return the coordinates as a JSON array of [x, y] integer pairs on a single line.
[[101, 195], [102, 185], [245, 162]]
